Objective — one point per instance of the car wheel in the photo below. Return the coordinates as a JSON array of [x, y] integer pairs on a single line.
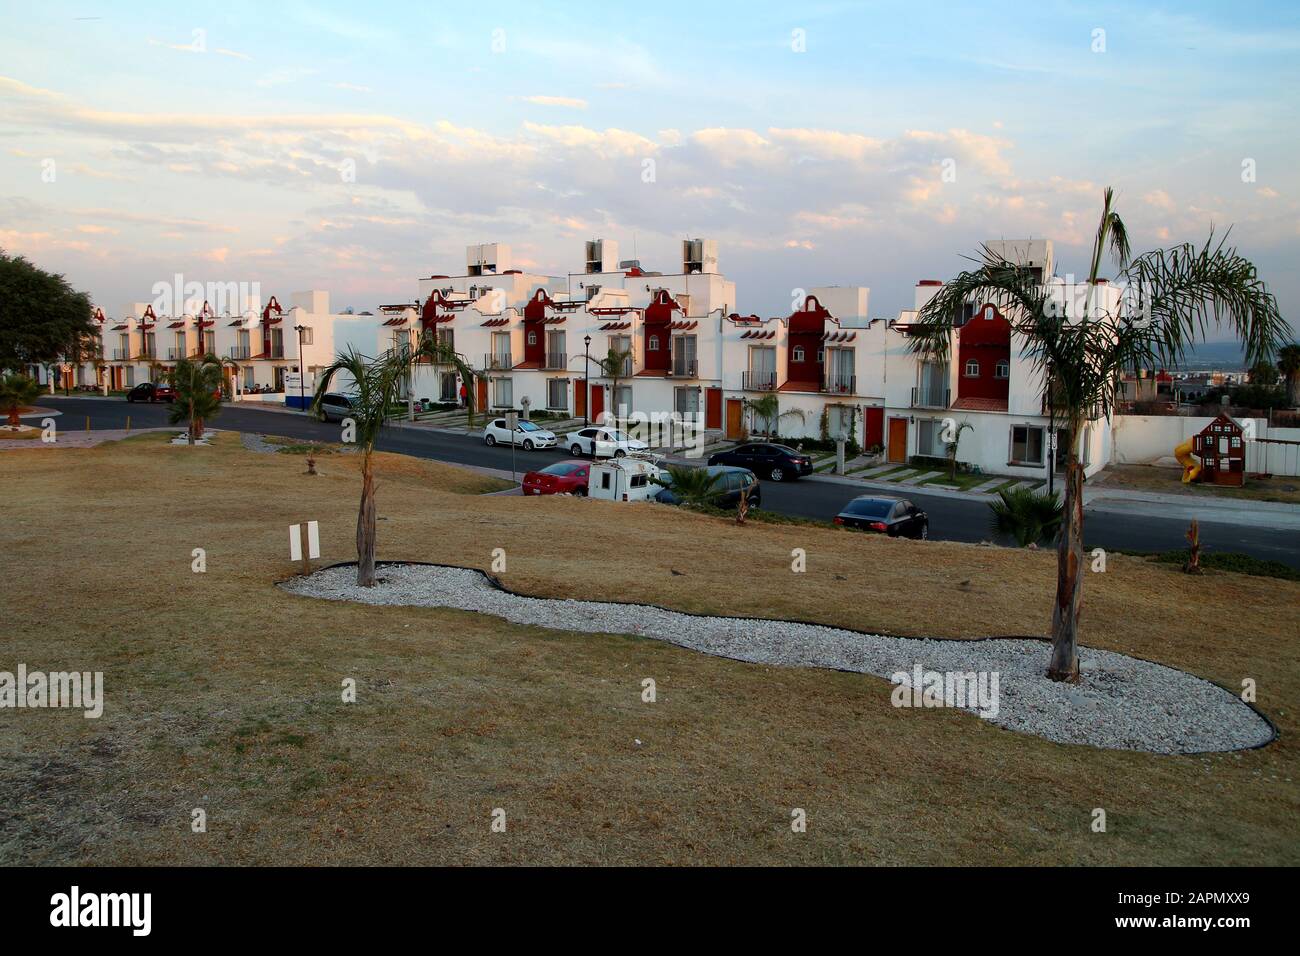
[[490, 440], [528, 444], [580, 492], [575, 449], [925, 531], [620, 453], [776, 474], [321, 416]]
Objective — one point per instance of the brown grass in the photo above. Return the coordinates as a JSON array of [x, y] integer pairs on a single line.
[[1170, 481], [223, 692]]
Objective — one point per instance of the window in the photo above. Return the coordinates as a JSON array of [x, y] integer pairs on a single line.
[[623, 400], [557, 393], [306, 335], [653, 344], [532, 338], [503, 393], [798, 354], [821, 356], [604, 479], [973, 368], [1002, 369], [929, 438], [1026, 445], [638, 481], [988, 312], [686, 401], [248, 377]]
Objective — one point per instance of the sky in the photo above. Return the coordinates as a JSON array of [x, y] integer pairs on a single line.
[[357, 147]]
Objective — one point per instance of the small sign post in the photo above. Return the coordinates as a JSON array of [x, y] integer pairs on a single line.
[[304, 551], [512, 422]]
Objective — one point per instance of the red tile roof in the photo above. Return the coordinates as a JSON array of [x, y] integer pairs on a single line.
[[972, 404]]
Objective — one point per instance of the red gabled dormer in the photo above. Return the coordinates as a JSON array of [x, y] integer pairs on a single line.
[[803, 363], [535, 330], [658, 334], [984, 361]]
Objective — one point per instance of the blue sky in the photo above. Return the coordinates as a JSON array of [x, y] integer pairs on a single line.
[[219, 153]]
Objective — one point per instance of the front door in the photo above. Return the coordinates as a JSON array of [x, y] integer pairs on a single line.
[[735, 417], [898, 440], [713, 408], [580, 399], [481, 388], [597, 402], [875, 427]]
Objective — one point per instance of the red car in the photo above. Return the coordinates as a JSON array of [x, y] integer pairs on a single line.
[[564, 477]]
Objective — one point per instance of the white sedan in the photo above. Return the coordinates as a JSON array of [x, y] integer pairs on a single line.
[[601, 442], [528, 434]]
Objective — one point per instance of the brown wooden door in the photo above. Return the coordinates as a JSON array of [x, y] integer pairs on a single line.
[[580, 398], [898, 440], [481, 387], [713, 408], [597, 402], [875, 427], [735, 418]]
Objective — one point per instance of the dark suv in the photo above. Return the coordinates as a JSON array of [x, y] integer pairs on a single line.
[[778, 462]]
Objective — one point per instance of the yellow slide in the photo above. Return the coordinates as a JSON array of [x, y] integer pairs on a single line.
[[1191, 467]]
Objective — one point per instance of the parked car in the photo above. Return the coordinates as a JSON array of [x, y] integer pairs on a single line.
[[603, 442], [334, 407], [561, 478], [151, 392], [727, 488], [528, 434], [892, 516], [778, 462]]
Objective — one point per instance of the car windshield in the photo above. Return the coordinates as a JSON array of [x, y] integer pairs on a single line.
[[561, 469], [616, 435], [528, 427], [870, 507]]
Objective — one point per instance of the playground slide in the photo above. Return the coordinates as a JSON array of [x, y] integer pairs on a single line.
[[1191, 467]]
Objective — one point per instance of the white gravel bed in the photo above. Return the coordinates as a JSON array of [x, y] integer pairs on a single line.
[[1121, 703]]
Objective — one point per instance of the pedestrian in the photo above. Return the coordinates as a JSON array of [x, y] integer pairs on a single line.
[[464, 395]]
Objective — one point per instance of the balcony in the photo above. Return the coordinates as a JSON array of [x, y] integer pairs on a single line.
[[684, 367], [497, 361], [841, 384], [273, 353], [556, 361], [121, 355], [145, 355], [238, 352], [1056, 410], [761, 381], [931, 397], [174, 354]]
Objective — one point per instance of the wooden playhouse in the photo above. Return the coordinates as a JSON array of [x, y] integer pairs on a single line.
[[1221, 446]]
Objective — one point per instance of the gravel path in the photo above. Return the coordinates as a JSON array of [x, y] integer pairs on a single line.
[[1122, 703]]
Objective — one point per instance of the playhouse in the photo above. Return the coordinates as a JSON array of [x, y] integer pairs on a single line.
[[1221, 446]]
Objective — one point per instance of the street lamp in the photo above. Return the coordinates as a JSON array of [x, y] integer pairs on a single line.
[[302, 369], [586, 380]]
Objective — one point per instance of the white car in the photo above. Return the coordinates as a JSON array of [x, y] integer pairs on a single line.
[[602, 442], [528, 434]]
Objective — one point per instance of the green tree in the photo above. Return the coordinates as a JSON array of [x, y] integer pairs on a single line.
[[1029, 516], [17, 390], [767, 408], [692, 486], [612, 366], [1171, 296], [41, 317], [1288, 364], [198, 393], [1264, 373], [951, 447]]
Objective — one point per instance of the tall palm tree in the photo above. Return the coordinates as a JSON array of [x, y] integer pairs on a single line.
[[612, 366], [376, 385], [1171, 296], [1288, 363], [15, 392], [198, 392]]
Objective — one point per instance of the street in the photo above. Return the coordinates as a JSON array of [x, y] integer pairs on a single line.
[[951, 519]]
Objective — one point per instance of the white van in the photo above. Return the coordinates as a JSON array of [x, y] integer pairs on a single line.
[[625, 479]]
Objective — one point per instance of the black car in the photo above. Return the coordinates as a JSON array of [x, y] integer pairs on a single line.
[[151, 392], [727, 488], [892, 516], [777, 462], [334, 407]]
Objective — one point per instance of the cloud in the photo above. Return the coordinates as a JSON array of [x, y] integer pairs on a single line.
[[566, 101], [352, 87]]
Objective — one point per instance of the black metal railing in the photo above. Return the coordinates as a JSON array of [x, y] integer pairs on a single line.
[[498, 360], [841, 384], [239, 351], [931, 397], [556, 360], [761, 381], [683, 367]]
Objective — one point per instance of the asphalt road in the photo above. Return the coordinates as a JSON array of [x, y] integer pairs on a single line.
[[951, 519]]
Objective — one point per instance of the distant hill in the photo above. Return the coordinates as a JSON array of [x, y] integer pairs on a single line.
[[1212, 356]]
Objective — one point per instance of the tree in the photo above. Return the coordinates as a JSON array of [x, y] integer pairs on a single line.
[[1288, 363], [376, 385], [1028, 516], [768, 408], [41, 316], [1263, 373], [16, 391], [612, 366], [1170, 296], [692, 486], [951, 448], [198, 393]]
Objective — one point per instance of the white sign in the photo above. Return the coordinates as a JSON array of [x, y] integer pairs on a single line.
[[295, 541]]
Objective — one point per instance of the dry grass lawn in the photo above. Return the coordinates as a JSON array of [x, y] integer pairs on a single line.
[[1170, 481], [224, 693]]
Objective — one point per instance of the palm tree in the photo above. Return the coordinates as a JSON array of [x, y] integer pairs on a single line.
[[1028, 516], [376, 385], [768, 408], [951, 448], [692, 486], [1288, 363], [612, 366], [15, 392], [1171, 296], [198, 392]]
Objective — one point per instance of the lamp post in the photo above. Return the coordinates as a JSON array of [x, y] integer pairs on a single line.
[[586, 380], [302, 369]]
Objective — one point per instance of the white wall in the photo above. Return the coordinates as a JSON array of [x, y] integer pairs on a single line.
[[1145, 439]]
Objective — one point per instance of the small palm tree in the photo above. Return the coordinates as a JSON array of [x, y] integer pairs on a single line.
[[1029, 516], [15, 392], [1177, 293], [951, 448], [198, 393], [376, 385], [1288, 363], [692, 486], [612, 366], [767, 408]]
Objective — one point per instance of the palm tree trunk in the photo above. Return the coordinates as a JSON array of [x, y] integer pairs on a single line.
[[1064, 664], [366, 526], [1293, 389], [14, 420]]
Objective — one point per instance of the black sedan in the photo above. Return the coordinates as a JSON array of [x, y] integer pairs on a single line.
[[777, 462], [726, 489], [892, 516], [151, 392]]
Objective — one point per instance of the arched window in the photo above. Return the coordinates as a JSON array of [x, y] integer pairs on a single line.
[[972, 368], [654, 343], [988, 312], [1002, 369], [798, 354], [532, 338]]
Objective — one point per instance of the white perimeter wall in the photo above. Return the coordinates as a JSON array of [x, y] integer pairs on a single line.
[[1145, 439]]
